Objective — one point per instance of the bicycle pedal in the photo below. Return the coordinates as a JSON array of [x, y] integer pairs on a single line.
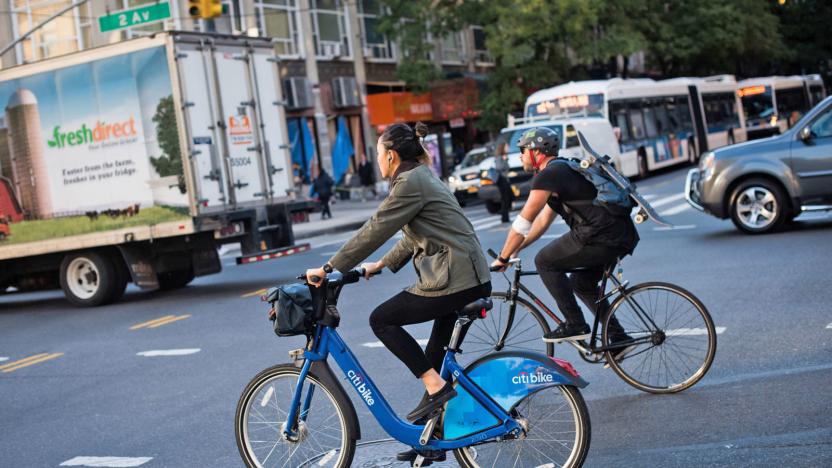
[[420, 461]]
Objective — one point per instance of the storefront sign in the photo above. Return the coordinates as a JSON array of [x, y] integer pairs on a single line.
[[389, 108]]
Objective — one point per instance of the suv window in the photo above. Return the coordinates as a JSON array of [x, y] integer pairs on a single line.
[[791, 104], [822, 126]]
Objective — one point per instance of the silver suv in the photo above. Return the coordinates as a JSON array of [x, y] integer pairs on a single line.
[[763, 183]]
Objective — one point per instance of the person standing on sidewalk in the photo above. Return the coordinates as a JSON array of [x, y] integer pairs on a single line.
[[503, 184], [368, 180], [322, 186]]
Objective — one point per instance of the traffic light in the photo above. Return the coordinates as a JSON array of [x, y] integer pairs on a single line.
[[205, 9]]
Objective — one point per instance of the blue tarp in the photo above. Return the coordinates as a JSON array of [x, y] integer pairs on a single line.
[[342, 150], [302, 154]]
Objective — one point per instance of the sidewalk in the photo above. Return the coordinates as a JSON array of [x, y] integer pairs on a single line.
[[347, 215]]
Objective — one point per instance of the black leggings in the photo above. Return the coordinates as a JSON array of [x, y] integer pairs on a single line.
[[566, 253], [405, 309]]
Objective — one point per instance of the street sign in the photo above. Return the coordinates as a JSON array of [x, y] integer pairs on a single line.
[[134, 17]]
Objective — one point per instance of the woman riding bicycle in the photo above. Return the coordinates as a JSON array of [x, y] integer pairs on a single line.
[[447, 256]]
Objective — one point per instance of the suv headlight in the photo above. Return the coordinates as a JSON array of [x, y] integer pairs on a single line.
[[706, 164]]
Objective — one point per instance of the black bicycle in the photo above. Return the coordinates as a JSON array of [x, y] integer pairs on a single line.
[[672, 338]]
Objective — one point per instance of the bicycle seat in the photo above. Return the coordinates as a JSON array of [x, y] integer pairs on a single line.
[[476, 309]]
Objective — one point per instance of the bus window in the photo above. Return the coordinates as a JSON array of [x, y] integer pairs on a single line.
[[618, 119], [791, 104], [663, 123], [683, 113], [650, 120], [571, 137], [757, 104], [816, 94], [636, 122], [720, 110]]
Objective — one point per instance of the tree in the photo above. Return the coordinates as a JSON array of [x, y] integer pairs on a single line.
[[805, 30], [167, 134]]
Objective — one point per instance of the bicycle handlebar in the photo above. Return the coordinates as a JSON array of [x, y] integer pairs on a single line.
[[338, 278]]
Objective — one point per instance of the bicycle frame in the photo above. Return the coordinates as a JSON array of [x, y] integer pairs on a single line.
[[328, 342]]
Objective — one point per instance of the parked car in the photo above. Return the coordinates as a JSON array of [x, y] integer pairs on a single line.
[[598, 132], [465, 180], [762, 184]]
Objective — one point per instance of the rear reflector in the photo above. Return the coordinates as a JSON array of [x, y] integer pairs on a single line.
[[272, 254]]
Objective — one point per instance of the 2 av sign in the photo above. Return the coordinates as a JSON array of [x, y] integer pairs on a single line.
[[134, 17]]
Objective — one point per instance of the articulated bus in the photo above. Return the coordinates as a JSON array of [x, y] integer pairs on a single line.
[[773, 104], [658, 123]]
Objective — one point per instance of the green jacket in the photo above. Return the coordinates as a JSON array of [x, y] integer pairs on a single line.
[[446, 252]]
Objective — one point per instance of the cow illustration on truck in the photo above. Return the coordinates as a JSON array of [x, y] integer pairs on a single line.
[[119, 165]]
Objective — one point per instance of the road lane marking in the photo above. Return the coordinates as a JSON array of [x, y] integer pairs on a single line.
[[667, 200], [379, 344], [675, 210], [259, 292], [169, 321], [693, 331], [828, 327], [115, 462], [29, 361], [675, 228], [3, 358], [151, 322], [169, 352], [485, 226], [267, 397]]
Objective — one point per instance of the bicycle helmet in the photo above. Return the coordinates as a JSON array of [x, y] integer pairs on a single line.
[[543, 139]]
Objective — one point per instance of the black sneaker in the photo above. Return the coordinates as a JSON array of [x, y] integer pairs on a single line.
[[567, 332], [621, 350], [430, 456], [431, 403]]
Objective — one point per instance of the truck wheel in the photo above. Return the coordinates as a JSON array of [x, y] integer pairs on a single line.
[[175, 279], [122, 278], [88, 279], [492, 206], [758, 206]]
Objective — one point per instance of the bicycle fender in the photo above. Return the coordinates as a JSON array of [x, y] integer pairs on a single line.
[[322, 371], [508, 378]]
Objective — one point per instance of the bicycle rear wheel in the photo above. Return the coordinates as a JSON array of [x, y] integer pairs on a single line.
[[324, 436], [558, 434], [527, 329], [674, 338]]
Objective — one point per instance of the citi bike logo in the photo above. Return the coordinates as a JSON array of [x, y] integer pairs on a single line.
[[537, 377], [358, 383]]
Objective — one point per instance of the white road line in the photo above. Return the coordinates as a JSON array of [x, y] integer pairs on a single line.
[[675, 210], [117, 462], [667, 200], [379, 344], [828, 327], [649, 196], [693, 331], [484, 226], [675, 228], [329, 254], [3, 359], [169, 352]]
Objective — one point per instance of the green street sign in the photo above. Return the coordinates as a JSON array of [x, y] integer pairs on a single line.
[[134, 17]]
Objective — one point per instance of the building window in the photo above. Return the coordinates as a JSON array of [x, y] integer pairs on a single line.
[[58, 37], [481, 54], [278, 19], [376, 45], [330, 31], [232, 22], [453, 50]]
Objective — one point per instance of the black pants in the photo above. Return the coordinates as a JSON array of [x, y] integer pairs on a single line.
[[566, 253], [505, 198], [325, 207], [405, 309]]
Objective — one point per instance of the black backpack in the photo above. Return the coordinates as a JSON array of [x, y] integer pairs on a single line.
[[294, 310]]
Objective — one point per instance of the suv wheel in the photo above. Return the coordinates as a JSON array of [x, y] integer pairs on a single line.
[[758, 206]]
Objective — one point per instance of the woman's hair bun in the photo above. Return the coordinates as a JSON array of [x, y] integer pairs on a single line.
[[420, 129]]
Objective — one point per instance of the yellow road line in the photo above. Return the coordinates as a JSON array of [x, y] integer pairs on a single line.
[[259, 292], [29, 361], [151, 322], [21, 361], [168, 321]]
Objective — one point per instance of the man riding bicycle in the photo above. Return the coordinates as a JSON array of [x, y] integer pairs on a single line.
[[597, 236]]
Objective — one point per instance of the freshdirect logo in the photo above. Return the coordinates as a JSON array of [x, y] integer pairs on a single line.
[[537, 377], [358, 383], [101, 132]]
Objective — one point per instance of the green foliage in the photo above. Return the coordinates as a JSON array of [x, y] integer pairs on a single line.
[[167, 134]]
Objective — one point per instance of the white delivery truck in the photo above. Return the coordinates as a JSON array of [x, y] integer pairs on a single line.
[[136, 161]]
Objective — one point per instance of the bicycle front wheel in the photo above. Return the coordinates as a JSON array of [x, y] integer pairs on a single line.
[[323, 435], [526, 327], [673, 338], [557, 433]]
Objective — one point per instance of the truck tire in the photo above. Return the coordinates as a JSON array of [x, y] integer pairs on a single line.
[[122, 279], [175, 279], [492, 206], [88, 279], [758, 206]]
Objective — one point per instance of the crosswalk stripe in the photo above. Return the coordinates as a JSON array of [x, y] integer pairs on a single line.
[[119, 462], [680, 227], [487, 225], [675, 210], [169, 352], [667, 200]]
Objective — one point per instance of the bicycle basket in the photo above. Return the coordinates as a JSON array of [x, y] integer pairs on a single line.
[[294, 310]]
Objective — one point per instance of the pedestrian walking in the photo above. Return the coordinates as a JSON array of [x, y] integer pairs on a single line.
[[367, 177], [322, 186], [503, 184]]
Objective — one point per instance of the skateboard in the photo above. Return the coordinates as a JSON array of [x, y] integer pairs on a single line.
[[645, 211]]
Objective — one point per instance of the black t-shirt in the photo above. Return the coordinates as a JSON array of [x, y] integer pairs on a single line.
[[572, 197]]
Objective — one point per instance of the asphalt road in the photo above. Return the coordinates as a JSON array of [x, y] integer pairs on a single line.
[[98, 388]]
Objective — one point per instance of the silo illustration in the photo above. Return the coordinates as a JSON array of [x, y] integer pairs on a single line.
[[28, 158], [5, 154]]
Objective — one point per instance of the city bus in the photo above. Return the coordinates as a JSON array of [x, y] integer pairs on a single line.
[[658, 123], [773, 104]]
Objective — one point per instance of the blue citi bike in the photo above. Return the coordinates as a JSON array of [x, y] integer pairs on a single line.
[[516, 408]]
